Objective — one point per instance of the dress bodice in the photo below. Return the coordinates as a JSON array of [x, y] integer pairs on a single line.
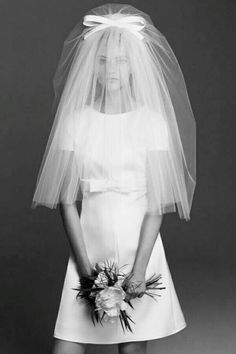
[[114, 153], [111, 149]]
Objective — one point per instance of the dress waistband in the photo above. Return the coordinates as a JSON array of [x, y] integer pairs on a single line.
[[110, 184]]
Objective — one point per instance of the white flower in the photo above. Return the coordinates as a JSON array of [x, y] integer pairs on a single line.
[[101, 279], [119, 282], [111, 301]]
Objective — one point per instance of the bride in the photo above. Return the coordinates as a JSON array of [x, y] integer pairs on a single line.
[[122, 146]]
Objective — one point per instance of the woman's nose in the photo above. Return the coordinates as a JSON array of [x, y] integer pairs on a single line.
[[111, 66]]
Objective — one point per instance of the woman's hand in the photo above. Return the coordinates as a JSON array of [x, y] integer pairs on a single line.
[[135, 283], [87, 276]]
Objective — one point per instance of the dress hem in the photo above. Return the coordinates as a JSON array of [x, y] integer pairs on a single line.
[[58, 336]]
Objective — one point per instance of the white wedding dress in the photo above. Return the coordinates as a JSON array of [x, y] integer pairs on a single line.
[[111, 218]]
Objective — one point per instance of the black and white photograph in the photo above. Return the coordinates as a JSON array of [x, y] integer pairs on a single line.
[[117, 179]]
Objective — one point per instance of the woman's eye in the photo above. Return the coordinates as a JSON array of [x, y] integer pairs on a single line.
[[102, 60], [119, 60]]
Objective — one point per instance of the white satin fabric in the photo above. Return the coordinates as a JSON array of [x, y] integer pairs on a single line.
[[111, 218]]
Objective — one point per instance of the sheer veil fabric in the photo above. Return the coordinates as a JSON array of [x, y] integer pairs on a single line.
[[114, 62]]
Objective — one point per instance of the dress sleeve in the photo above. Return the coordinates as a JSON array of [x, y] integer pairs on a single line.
[[164, 178], [70, 187], [58, 179], [66, 138]]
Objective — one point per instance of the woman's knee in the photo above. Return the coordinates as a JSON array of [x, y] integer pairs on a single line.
[[133, 347], [67, 347]]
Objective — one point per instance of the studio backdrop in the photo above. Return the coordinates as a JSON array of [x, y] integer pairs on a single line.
[[34, 249]]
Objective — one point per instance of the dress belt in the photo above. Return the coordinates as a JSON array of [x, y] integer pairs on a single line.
[[110, 184]]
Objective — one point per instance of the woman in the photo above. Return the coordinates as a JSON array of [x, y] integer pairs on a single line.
[[123, 146]]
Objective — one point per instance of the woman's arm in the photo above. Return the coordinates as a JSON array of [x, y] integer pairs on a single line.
[[148, 234], [149, 231], [72, 225]]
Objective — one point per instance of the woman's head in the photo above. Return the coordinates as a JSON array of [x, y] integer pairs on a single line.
[[112, 64], [110, 67], [109, 58]]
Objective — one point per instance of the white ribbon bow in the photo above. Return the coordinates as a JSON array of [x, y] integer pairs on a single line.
[[132, 23], [107, 184]]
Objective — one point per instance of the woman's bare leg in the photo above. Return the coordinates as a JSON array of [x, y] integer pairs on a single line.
[[66, 347], [133, 347]]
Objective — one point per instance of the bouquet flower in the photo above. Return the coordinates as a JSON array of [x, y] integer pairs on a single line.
[[105, 293]]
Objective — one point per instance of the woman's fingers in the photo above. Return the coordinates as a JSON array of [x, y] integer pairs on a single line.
[[134, 292], [141, 294], [135, 288]]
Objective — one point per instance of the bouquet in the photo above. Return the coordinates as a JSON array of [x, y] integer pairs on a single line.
[[105, 293]]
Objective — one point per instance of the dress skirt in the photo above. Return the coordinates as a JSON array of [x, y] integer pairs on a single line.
[[111, 223]]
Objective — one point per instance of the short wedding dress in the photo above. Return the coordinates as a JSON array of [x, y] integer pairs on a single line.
[[111, 216]]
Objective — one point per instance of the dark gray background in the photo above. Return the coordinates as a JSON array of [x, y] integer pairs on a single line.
[[34, 249]]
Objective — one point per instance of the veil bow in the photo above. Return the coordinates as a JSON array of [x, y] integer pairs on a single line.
[[97, 23]]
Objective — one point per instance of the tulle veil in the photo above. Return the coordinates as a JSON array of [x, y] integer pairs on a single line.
[[114, 62]]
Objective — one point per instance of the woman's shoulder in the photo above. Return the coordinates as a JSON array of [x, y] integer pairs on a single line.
[[152, 118], [77, 117], [154, 128]]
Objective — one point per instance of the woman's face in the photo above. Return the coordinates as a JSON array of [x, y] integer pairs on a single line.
[[112, 68]]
